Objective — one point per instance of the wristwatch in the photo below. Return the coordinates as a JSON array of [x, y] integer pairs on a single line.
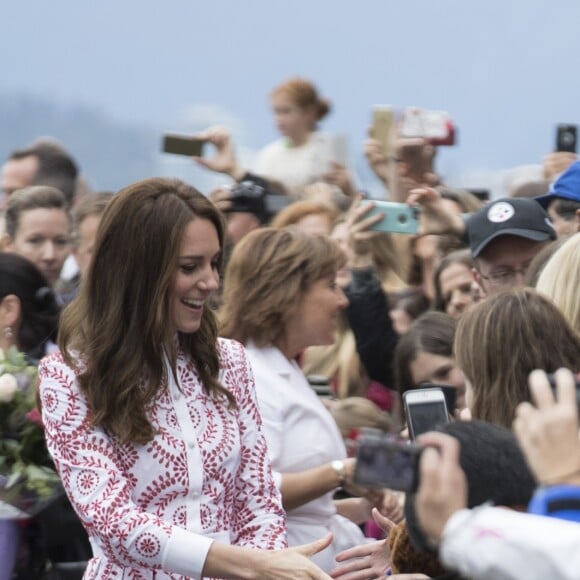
[[339, 467]]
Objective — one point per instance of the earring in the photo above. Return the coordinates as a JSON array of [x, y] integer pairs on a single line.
[[8, 332]]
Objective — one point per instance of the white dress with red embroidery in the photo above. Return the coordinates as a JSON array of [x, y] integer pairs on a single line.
[[152, 511]]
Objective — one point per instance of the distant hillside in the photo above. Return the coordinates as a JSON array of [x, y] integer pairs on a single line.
[[110, 153]]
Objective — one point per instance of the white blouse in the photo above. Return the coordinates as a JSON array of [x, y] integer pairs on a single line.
[[153, 510], [301, 434]]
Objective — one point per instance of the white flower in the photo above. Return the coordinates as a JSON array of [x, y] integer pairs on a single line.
[[8, 387]]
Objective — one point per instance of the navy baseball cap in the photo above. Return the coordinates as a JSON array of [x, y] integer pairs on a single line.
[[513, 216], [567, 186]]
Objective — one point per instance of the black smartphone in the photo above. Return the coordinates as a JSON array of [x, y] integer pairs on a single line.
[[384, 462], [183, 145], [425, 408], [552, 382], [566, 138]]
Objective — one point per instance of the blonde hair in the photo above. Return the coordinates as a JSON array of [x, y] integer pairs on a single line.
[[339, 361], [358, 413], [560, 280], [293, 213], [268, 272]]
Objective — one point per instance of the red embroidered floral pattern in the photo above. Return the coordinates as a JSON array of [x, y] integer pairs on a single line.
[[206, 471]]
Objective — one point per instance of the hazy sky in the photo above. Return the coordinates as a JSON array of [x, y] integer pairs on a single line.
[[506, 70]]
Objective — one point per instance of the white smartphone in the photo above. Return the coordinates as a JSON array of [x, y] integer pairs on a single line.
[[338, 148], [424, 410]]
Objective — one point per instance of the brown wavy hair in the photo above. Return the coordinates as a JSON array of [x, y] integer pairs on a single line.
[[501, 340], [268, 272], [118, 324]]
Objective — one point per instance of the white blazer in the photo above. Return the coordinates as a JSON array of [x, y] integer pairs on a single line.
[[301, 434]]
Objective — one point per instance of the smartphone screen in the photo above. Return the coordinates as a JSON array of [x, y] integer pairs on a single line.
[[183, 145], [382, 463], [424, 410]]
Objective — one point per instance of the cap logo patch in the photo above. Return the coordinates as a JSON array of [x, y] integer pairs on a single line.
[[500, 212]]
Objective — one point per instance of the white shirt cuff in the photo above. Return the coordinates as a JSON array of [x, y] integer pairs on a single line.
[[185, 553]]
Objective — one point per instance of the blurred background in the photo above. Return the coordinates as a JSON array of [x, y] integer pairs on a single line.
[[107, 78]]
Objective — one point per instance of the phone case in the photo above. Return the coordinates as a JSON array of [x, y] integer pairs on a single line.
[[399, 217]]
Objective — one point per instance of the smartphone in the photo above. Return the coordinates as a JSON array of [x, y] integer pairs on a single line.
[[424, 409], [383, 128], [566, 138], [399, 217], [552, 382], [449, 392], [338, 149], [183, 145], [436, 127], [384, 462]]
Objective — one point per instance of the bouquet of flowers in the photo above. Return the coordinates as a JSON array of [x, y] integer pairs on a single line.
[[28, 481]]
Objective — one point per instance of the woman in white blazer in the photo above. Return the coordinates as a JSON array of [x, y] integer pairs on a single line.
[[280, 297]]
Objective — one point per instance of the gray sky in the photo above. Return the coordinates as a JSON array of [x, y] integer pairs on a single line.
[[505, 69]]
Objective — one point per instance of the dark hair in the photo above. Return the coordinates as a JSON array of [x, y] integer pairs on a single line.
[[39, 309], [411, 300], [565, 208], [432, 332], [29, 198], [119, 321], [457, 257], [495, 468], [55, 166]]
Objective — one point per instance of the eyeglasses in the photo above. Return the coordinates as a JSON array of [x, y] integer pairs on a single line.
[[504, 277]]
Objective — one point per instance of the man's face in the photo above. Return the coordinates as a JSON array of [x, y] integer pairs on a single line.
[[504, 263], [17, 173]]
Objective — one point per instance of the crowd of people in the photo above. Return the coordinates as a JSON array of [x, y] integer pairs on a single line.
[[180, 337]]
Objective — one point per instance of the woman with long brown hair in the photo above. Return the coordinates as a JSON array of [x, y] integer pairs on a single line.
[[150, 418], [501, 340]]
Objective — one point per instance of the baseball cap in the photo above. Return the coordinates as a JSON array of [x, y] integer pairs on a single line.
[[508, 216], [567, 186]]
